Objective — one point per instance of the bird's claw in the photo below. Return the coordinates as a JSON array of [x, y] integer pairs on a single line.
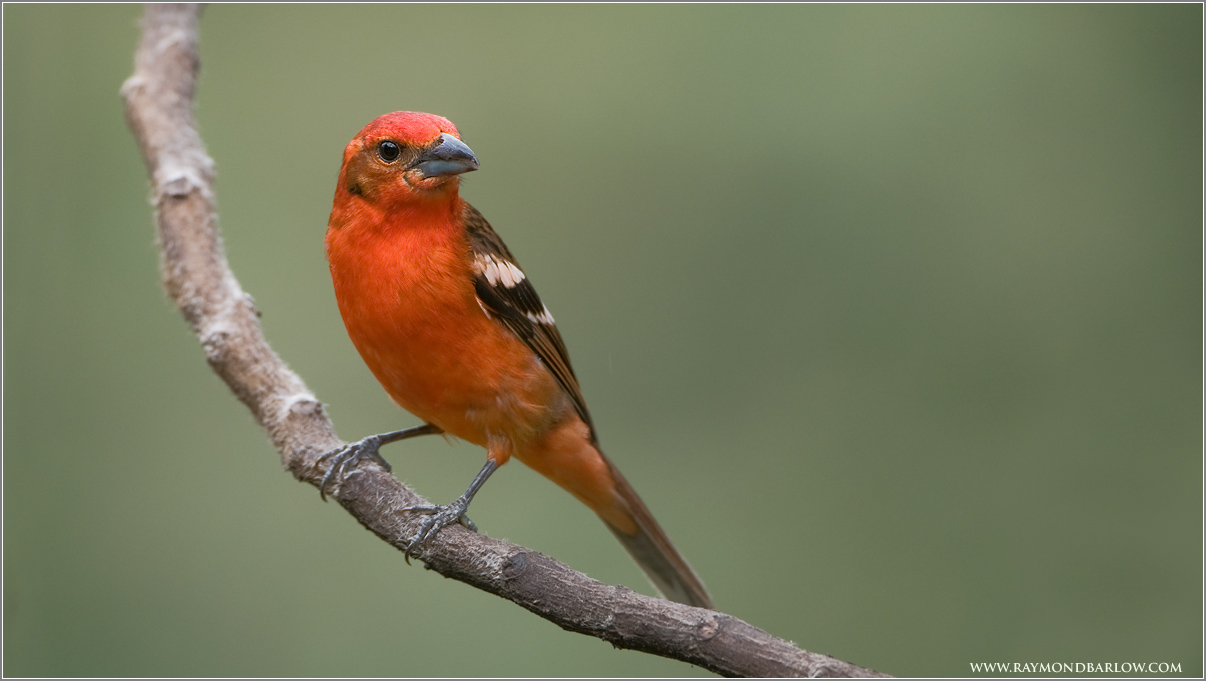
[[347, 458], [441, 517]]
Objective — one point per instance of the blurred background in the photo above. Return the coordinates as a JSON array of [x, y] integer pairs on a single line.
[[892, 314]]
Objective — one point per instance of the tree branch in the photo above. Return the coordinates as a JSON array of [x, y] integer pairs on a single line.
[[159, 110]]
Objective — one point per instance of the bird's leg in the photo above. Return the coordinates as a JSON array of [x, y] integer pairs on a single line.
[[443, 516], [350, 455]]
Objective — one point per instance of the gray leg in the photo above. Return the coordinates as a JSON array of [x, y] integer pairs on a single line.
[[443, 516], [349, 456]]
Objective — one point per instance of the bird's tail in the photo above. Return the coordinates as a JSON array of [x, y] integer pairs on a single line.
[[569, 457], [652, 550]]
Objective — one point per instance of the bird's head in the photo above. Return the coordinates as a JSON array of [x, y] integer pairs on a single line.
[[405, 157]]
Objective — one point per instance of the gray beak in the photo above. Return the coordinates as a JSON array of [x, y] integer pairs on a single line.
[[449, 157]]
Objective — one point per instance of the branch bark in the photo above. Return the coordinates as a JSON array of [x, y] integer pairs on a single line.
[[159, 109]]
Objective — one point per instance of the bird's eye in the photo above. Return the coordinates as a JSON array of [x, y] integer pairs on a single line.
[[389, 151]]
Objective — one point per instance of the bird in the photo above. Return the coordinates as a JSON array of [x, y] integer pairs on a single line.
[[453, 330]]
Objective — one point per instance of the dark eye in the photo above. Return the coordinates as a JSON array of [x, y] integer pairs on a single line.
[[389, 151]]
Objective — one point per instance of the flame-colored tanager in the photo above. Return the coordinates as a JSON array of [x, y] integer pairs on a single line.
[[450, 325]]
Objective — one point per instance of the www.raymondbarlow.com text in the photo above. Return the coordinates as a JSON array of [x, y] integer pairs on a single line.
[[1076, 667]]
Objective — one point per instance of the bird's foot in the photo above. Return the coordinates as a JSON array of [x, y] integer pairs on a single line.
[[346, 458], [441, 517]]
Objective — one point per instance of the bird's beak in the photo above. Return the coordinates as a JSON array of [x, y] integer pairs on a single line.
[[449, 156]]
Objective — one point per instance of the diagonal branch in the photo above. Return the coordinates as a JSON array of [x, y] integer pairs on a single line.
[[159, 109]]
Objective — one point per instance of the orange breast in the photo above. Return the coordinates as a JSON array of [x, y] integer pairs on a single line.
[[407, 300]]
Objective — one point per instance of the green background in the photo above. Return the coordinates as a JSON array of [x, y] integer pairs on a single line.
[[892, 314]]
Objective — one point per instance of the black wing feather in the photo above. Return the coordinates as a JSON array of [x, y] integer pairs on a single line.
[[513, 302]]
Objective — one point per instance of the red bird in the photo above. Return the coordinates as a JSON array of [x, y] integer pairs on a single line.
[[451, 327]]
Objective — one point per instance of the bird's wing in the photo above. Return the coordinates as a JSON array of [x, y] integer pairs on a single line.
[[507, 296]]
